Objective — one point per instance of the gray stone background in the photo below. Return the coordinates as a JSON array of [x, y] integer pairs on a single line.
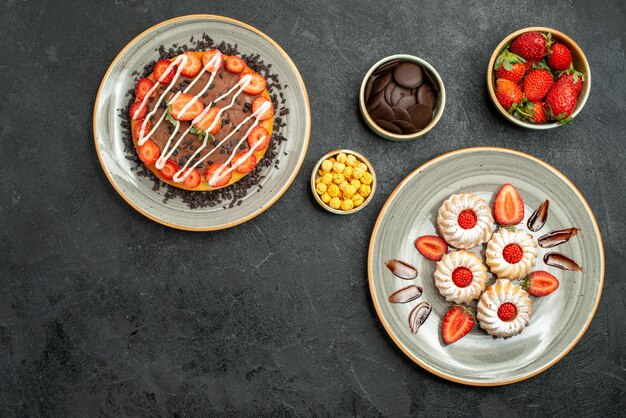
[[104, 312]]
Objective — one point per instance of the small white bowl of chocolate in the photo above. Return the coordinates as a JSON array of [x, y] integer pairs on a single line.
[[402, 97]]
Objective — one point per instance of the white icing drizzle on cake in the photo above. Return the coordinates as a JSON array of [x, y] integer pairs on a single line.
[[167, 152]]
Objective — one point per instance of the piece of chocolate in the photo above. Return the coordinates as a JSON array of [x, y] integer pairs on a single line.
[[388, 126], [386, 67], [382, 111], [381, 82], [421, 115], [426, 96], [408, 74], [368, 89], [429, 79], [388, 90], [419, 315], [539, 217], [401, 114], [407, 101], [407, 127], [406, 294], [374, 101], [398, 93]]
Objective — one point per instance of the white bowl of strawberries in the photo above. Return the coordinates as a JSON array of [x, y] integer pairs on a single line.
[[538, 78]]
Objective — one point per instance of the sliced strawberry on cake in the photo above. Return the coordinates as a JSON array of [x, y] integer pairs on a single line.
[[186, 107]]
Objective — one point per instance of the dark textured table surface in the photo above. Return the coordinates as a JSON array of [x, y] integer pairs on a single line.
[[104, 312]]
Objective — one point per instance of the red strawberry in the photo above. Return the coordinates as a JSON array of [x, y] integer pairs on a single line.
[[457, 323], [462, 276], [256, 85], [508, 207], [137, 128], [531, 45], [242, 164], [149, 152], [431, 246], [223, 180], [192, 66], [467, 219], [217, 63], [537, 83], [538, 114], [143, 87], [512, 253], [508, 93], [559, 58], [169, 169], [207, 120], [507, 312], [181, 103], [531, 112], [159, 72], [561, 99], [531, 64], [193, 179], [235, 65], [577, 78], [257, 134], [540, 283], [510, 66], [258, 102], [137, 111]]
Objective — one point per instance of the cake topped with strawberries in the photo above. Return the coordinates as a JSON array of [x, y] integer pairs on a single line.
[[202, 120]]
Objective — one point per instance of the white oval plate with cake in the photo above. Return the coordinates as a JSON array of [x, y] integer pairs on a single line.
[[137, 189], [557, 321]]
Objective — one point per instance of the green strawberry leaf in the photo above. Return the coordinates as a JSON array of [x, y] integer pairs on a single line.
[[507, 65], [549, 40], [169, 116], [566, 121], [499, 61], [197, 131], [511, 228]]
